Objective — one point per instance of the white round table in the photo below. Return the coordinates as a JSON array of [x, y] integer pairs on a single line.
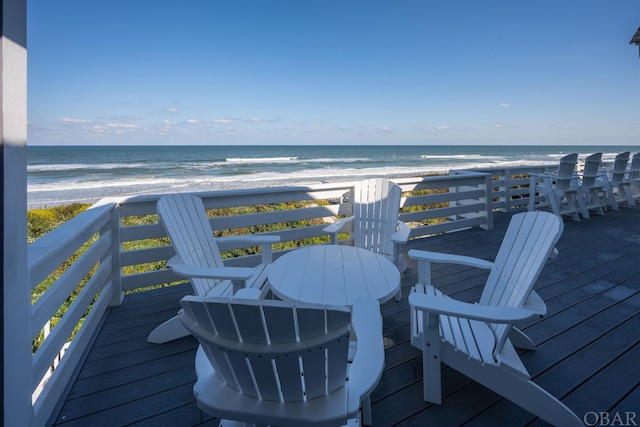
[[333, 274]]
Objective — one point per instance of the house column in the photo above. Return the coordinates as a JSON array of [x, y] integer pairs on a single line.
[[16, 354]]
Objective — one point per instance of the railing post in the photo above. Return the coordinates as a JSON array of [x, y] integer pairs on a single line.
[[506, 179], [116, 265], [488, 200]]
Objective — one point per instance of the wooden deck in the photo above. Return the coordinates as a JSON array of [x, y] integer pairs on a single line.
[[588, 344]]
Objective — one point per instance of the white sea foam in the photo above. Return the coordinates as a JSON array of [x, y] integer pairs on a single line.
[[461, 157], [264, 160], [69, 167], [261, 160]]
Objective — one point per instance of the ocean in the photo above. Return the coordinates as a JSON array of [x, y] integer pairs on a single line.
[[64, 174]]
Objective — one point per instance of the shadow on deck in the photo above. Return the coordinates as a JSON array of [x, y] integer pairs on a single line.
[[587, 354]]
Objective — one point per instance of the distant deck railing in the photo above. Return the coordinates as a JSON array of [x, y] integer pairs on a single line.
[[98, 252]]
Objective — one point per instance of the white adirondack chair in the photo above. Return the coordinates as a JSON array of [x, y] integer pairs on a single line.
[[634, 175], [591, 184], [268, 362], [374, 220], [198, 257], [618, 185], [560, 190], [477, 339]]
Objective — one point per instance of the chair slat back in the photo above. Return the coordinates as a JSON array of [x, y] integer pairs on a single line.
[[566, 171], [620, 167], [590, 172], [376, 204], [185, 220], [526, 247], [634, 169], [272, 350]]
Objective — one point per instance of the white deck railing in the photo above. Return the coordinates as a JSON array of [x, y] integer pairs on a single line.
[[100, 276]]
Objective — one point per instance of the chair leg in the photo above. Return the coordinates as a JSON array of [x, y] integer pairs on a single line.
[[596, 202], [635, 189], [554, 203], [366, 411], [610, 197], [431, 373], [399, 260], [401, 263], [626, 189], [573, 207], [581, 205]]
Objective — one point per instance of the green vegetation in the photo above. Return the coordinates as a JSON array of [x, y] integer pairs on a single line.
[[41, 221]]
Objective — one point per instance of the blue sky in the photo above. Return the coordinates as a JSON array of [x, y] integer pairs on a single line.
[[333, 72]]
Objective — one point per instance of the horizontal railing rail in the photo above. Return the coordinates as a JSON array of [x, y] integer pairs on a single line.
[[91, 261], [76, 260], [510, 186]]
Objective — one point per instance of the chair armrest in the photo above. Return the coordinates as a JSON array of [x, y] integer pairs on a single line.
[[441, 304], [222, 273], [401, 236], [338, 225], [449, 258], [367, 366]]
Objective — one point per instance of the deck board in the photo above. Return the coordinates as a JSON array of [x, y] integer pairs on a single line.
[[587, 342]]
